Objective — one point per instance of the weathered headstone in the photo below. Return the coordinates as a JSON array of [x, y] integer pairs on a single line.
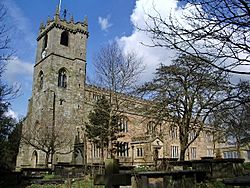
[[112, 178]]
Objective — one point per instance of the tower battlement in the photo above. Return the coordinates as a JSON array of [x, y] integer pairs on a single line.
[[64, 24]]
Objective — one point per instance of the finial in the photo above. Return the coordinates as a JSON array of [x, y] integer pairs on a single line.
[[72, 19], [85, 21], [48, 20], [42, 26], [57, 15]]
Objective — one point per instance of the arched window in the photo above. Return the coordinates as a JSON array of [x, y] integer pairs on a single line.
[[34, 159], [45, 41], [62, 78], [64, 38], [173, 132], [151, 127], [208, 136], [124, 124], [191, 135], [40, 80]]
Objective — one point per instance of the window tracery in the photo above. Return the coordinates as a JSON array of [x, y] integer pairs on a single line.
[[62, 78]]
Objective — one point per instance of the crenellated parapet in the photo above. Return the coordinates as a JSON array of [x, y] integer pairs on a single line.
[[62, 23]]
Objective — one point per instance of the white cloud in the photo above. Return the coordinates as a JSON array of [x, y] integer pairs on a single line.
[[18, 71], [12, 114], [152, 56], [23, 41], [19, 75], [104, 23]]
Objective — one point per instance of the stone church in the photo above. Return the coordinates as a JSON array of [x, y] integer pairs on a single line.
[[61, 101]]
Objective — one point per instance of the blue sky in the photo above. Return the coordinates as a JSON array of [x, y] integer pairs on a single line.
[[108, 20]]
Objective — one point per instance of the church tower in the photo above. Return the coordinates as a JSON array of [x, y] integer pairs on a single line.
[[57, 102]]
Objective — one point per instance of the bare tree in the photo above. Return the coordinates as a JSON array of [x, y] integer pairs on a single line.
[[50, 137], [215, 31], [186, 93], [5, 50], [234, 118], [9, 127], [118, 73]]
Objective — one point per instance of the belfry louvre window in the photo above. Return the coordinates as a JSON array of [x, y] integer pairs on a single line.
[[64, 38], [62, 78], [45, 41]]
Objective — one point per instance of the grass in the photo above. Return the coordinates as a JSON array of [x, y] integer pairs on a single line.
[[86, 183], [247, 166], [217, 184], [142, 169], [51, 176], [46, 186]]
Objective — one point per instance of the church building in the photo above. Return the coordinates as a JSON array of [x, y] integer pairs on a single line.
[[61, 101]]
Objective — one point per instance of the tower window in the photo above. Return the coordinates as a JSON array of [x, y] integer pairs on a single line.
[[64, 38], [45, 41], [62, 78], [40, 80]]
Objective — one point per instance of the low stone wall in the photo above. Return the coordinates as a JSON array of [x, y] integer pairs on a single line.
[[31, 172], [162, 179], [174, 174], [219, 168], [69, 171]]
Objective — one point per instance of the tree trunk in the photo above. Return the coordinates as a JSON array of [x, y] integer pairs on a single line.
[[92, 160], [238, 148], [110, 148], [102, 159], [183, 143], [102, 153], [182, 154]]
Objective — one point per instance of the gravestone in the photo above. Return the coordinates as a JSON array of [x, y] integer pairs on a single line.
[[112, 178]]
